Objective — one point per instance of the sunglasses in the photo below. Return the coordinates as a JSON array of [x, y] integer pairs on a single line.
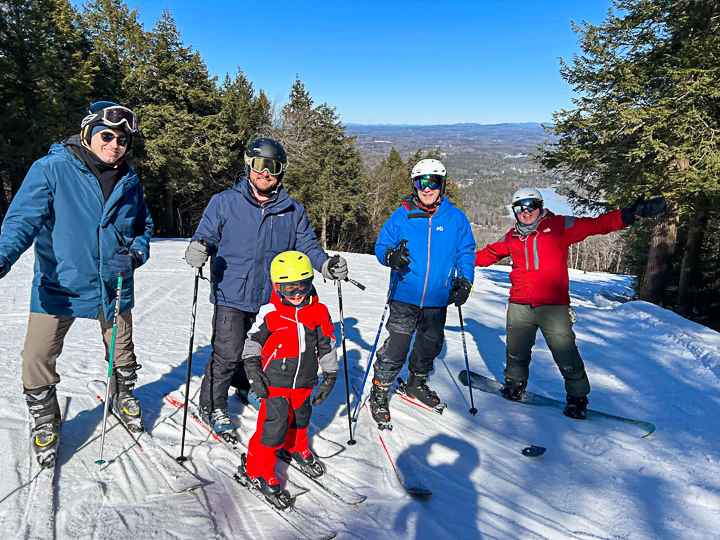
[[259, 164], [527, 204], [288, 290], [107, 136], [431, 181]]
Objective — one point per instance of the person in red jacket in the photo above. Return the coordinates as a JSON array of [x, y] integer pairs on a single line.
[[291, 335], [539, 295]]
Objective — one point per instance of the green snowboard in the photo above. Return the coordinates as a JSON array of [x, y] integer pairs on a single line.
[[493, 387]]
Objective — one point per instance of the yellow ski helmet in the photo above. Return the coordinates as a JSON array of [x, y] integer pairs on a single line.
[[289, 267]]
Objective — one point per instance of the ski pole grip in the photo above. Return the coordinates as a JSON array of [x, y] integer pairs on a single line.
[[356, 283]]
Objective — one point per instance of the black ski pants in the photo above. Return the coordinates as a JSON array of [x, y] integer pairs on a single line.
[[523, 321], [428, 325], [225, 366]]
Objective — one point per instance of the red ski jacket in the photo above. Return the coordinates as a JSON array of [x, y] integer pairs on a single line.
[[292, 341], [539, 261]]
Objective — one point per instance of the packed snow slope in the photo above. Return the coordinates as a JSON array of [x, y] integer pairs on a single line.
[[597, 480]]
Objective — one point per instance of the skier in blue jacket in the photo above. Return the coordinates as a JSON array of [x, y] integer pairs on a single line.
[[433, 269], [83, 207], [243, 229]]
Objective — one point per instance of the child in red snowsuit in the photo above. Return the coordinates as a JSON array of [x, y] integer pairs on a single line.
[[292, 334]]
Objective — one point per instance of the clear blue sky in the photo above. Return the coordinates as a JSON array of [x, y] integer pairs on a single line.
[[394, 62]]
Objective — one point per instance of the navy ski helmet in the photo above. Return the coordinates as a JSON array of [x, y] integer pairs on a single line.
[[107, 114], [266, 153]]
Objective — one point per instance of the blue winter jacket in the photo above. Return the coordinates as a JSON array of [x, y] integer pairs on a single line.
[[244, 237], [60, 206], [441, 247]]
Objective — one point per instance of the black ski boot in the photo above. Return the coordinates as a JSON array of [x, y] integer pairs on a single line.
[[379, 407], [269, 488], [576, 407], [220, 423], [45, 435], [417, 389], [125, 405], [513, 390], [306, 461]]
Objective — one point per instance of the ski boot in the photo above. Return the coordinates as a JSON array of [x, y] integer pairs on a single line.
[[379, 407], [124, 403], [220, 423], [576, 407], [513, 390], [45, 434], [305, 460], [269, 488], [416, 388], [248, 398]]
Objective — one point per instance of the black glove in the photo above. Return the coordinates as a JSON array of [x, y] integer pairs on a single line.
[[326, 386], [643, 209], [256, 377], [197, 253], [397, 258], [2, 271], [460, 291], [123, 261], [335, 268]]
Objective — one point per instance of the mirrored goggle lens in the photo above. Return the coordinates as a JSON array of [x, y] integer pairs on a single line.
[[259, 164], [288, 290], [526, 204], [115, 116], [428, 181], [107, 137]]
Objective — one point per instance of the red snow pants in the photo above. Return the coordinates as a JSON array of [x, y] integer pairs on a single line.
[[283, 421]]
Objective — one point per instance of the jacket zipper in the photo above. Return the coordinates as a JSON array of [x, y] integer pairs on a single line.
[[271, 357], [427, 270], [297, 325]]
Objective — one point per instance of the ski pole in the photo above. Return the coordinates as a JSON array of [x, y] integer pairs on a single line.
[[395, 280], [473, 410], [118, 292], [356, 283], [198, 274], [345, 364]]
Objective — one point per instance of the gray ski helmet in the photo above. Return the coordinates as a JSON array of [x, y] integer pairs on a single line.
[[265, 147]]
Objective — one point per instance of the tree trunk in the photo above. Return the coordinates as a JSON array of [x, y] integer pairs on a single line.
[[167, 216], [662, 248], [323, 236], [3, 199], [691, 259]]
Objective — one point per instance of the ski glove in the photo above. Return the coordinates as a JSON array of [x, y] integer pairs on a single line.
[[3, 271], [397, 258], [197, 253], [643, 209], [460, 291], [335, 268], [124, 260], [326, 386], [256, 377]]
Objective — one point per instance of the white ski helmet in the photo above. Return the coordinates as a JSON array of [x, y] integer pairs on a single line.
[[431, 167], [526, 193]]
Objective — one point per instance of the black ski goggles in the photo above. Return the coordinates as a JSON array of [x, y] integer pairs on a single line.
[[432, 181], [288, 290], [113, 116], [527, 204], [260, 164], [108, 136]]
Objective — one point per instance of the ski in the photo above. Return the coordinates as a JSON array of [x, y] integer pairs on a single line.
[[491, 386], [393, 448], [177, 400], [39, 521], [178, 478], [308, 526]]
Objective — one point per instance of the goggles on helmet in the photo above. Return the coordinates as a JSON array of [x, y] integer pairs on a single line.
[[259, 164], [526, 204], [112, 116], [432, 181], [288, 290]]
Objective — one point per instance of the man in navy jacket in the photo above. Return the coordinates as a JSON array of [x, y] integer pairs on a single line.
[[433, 269], [243, 229], [83, 207]]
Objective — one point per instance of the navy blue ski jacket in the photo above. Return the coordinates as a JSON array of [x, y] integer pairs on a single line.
[[441, 247], [60, 206], [244, 237]]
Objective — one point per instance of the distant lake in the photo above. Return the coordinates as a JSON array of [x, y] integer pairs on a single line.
[[557, 204]]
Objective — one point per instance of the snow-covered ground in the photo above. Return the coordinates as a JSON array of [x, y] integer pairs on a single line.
[[596, 480]]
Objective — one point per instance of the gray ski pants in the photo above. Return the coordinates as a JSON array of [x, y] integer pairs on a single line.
[[523, 320], [44, 343]]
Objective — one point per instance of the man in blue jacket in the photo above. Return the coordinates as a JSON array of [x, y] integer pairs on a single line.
[[83, 207], [243, 229], [434, 268]]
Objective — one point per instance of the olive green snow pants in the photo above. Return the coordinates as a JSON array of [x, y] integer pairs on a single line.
[[523, 320], [44, 343]]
